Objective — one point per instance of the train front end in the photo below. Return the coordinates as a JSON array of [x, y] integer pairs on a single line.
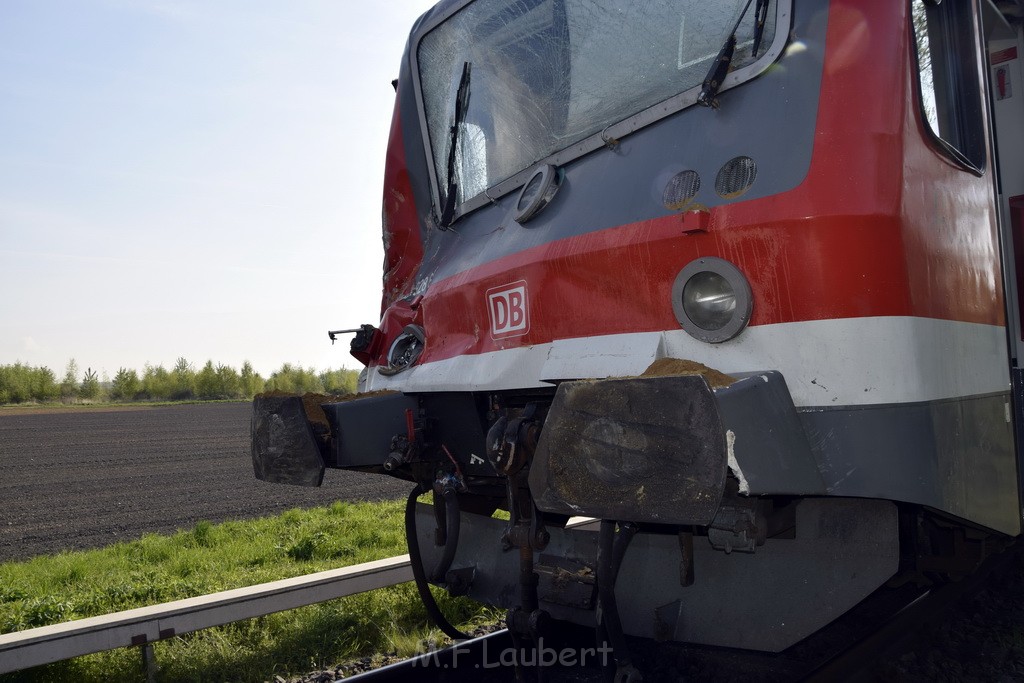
[[649, 289]]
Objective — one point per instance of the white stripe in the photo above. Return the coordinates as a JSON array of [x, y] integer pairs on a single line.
[[851, 361]]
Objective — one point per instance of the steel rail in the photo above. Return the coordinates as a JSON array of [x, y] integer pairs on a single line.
[[145, 625], [908, 628]]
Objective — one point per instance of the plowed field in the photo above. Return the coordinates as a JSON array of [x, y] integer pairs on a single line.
[[74, 479]]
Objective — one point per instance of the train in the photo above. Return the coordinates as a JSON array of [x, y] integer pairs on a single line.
[[700, 321]]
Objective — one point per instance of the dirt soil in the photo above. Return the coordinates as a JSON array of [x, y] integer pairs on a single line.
[[664, 367], [71, 480]]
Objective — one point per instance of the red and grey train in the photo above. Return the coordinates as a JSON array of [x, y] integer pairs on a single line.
[[736, 279]]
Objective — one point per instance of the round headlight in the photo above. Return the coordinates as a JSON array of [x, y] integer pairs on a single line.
[[404, 351], [712, 300], [709, 300]]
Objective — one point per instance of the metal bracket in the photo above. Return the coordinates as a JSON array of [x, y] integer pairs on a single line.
[[736, 528]]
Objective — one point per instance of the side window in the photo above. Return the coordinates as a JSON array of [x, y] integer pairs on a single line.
[[951, 96]]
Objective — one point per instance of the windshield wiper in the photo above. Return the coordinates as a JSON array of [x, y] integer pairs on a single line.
[[461, 105], [720, 67], [760, 16]]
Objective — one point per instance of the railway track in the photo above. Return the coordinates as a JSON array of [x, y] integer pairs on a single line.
[[911, 628], [866, 644]]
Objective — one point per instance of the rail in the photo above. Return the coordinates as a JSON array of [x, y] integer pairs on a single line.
[[142, 626]]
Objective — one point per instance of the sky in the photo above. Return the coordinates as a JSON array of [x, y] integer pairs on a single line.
[[192, 178]]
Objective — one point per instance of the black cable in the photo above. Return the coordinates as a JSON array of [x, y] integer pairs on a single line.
[[413, 543], [451, 543]]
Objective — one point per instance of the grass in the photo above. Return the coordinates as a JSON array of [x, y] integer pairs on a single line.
[[209, 558]]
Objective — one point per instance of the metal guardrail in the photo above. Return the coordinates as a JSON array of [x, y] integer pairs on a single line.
[[145, 625]]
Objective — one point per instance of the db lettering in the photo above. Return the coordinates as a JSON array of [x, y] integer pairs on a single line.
[[508, 309], [508, 312]]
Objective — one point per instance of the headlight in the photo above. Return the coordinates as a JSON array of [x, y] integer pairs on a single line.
[[712, 300], [404, 351], [709, 300]]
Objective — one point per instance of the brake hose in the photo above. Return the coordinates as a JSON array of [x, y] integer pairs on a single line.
[[412, 541]]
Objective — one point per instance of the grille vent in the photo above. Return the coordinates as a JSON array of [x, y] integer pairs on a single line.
[[681, 190], [735, 177]]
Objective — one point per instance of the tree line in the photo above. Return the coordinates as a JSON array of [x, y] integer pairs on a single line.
[[20, 383]]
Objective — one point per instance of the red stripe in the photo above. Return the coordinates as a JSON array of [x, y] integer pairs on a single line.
[[1000, 56]]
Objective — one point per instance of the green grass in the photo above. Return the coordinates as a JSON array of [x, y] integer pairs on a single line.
[[209, 558]]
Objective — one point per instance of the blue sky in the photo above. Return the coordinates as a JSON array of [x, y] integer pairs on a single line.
[[197, 178]]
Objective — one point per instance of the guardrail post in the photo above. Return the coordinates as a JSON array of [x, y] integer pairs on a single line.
[[149, 662]]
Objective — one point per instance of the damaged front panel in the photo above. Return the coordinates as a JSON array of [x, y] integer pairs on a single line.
[[657, 449], [639, 449], [768, 450], [285, 449]]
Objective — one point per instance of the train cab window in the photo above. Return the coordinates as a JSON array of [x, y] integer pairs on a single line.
[[507, 83], [951, 99]]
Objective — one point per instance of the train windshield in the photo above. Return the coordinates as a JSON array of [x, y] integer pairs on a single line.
[[538, 76]]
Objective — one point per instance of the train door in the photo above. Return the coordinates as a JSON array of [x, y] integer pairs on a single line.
[[1005, 50], [1006, 98]]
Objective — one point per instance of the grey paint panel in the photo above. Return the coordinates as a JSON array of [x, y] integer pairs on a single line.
[[768, 440], [362, 428], [957, 456]]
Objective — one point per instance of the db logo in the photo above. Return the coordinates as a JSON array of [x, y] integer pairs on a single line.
[[509, 310]]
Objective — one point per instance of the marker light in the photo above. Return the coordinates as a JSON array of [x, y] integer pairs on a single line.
[[537, 193], [712, 300]]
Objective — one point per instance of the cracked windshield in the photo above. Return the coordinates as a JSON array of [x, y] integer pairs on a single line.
[[544, 74]]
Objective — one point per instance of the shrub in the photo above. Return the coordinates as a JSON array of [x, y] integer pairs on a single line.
[[206, 382], [295, 380], [69, 386], [183, 380], [90, 384], [15, 383], [341, 381], [156, 383], [251, 382], [229, 384], [20, 383], [44, 384], [125, 386]]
